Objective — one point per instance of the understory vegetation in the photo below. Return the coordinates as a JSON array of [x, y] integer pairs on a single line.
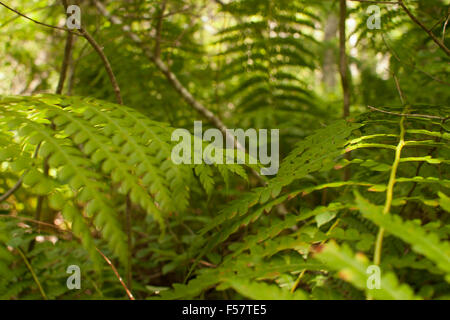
[[87, 177]]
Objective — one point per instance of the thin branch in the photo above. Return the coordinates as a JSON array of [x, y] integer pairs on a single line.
[[8, 193], [129, 294], [93, 43], [35, 278], [420, 24], [377, 2], [343, 70], [415, 115], [29, 12], [168, 14], [445, 26], [19, 182], [129, 242], [106, 63], [414, 19], [38, 22], [65, 63], [413, 66], [343, 63], [399, 89]]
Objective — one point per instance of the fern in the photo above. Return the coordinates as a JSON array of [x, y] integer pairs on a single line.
[[84, 141], [262, 53], [323, 152], [423, 242], [353, 269]]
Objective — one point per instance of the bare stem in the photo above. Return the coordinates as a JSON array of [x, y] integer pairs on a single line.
[[35, 278], [420, 24], [129, 294], [392, 180]]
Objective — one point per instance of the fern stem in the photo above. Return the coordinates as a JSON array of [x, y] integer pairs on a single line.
[[129, 294], [129, 242], [300, 276], [36, 280], [390, 190]]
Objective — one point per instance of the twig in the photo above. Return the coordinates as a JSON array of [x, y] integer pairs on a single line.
[[129, 294], [129, 242], [395, 55], [414, 19], [415, 115], [30, 268], [19, 182], [445, 26], [378, 2], [29, 12], [205, 263], [8, 193], [93, 43], [38, 22], [343, 70], [65, 63], [343, 66], [420, 24], [106, 63], [399, 89]]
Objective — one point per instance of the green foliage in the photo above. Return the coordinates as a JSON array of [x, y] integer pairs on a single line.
[[264, 58], [353, 269], [92, 183], [94, 152], [270, 236]]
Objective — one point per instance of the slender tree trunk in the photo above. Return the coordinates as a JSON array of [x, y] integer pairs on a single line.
[[329, 58], [343, 69], [343, 63]]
